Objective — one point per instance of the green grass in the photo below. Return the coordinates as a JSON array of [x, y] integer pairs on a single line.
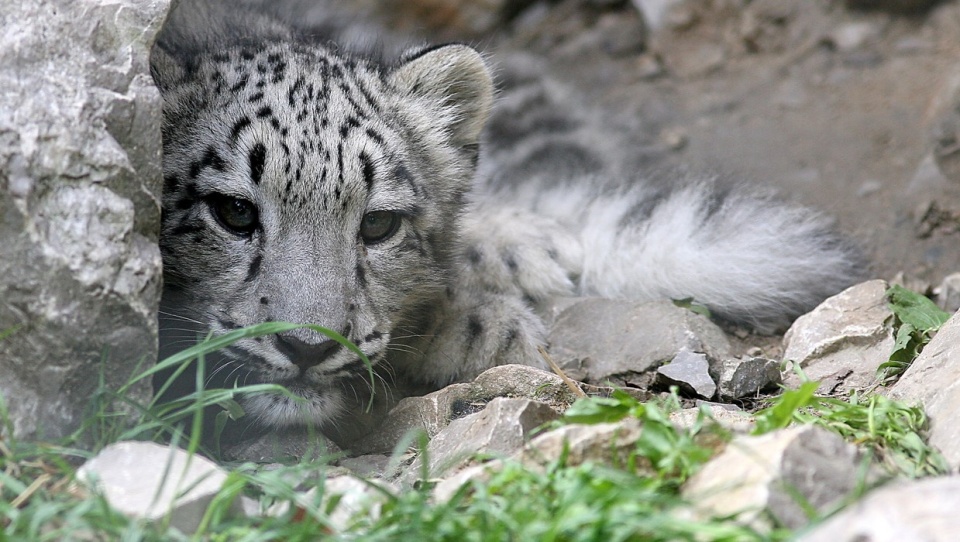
[[915, 321], [638, 500], [893, 431]]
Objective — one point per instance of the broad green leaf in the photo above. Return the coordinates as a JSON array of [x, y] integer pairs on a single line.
[[915, 309]]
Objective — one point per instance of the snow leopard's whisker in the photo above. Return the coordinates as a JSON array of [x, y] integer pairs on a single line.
[[177, 316]]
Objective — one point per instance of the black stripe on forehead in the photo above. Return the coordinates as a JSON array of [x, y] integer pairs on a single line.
[[211, 159], [257, 159], [238, 129], [369, 173]]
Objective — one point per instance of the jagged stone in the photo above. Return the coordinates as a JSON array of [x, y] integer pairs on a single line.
[[284, 444], [499, 429], [612, 444], [933, 381], [599, 338], [79, 192], [431, 413], [906, 511], [844, 340], [896, 6], [748, 377], [369, 466], [727, 416], [604, 443], [355, 497], [691, 372], [148, 481], [947, 294], [774, 474]]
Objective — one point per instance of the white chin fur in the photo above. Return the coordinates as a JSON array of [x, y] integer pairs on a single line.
[[310, 408]]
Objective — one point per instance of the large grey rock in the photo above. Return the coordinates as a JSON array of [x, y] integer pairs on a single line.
[[604, 443], [780, 473], [431, 413], [344, 499], [500, 429], [729, 417], [599, 338], [613, 444], [148, 481], [79, 195], [279, 445], [844, 340], [914, 511], [933, 381]]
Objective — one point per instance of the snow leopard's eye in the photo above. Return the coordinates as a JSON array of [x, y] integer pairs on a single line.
[[237, 215], [377, 226]]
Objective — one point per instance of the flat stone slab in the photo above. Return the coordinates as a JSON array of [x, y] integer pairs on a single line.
[[933, 381], [768, 473], [431, 413], [149, 481], [597, 338], [910, 511]]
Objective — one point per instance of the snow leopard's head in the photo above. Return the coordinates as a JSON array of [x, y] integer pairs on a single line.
[[307, 187]]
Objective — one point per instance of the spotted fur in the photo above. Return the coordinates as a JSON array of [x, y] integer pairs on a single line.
[[306, 185]]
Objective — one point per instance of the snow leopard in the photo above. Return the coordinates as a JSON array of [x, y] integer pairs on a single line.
[[305, 183]]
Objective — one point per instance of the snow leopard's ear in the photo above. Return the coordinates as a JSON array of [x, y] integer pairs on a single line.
[[455, 76]]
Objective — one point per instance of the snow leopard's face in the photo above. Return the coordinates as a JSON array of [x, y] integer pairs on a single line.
[[304, 187]]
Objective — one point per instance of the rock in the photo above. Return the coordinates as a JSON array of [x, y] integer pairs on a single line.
[[603, 443], [854, 35], [727, 416], [896, 6], [655, 11], [945, 132], [279, 445], [908, 511], [355, 498], [599, 338], [499, 429], [432, 412], [740, 378], [79, 192], [369, 466], [611, 444], [775, 473], [933, 380], [947, 295], [691, 372], [342, 498], [447, 19], [843, 341], [148, 481]]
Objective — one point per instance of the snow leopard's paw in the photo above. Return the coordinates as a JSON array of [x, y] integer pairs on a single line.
[[518, 253]]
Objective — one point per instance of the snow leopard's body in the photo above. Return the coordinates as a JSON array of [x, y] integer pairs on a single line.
[[308, 186]]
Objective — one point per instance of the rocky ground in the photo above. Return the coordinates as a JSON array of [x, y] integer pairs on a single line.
[[775, 479]]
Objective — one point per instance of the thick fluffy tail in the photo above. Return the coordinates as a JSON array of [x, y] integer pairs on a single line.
[[749, 257]]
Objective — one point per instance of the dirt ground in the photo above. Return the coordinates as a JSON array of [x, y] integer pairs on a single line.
[[840, 108]]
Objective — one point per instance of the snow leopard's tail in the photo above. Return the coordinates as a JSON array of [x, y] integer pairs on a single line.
[[750, 258]]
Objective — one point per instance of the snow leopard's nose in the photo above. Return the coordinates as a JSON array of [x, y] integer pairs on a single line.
[[305, 354]]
